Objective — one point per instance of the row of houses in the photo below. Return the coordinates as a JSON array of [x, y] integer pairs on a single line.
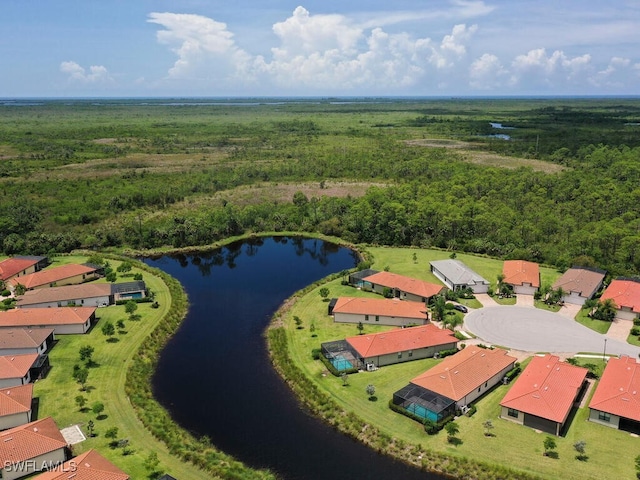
[[57, 301]]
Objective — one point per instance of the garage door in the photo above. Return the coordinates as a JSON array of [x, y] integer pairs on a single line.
[[540, 423]]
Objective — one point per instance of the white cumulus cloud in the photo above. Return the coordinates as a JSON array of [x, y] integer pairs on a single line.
[[487, 73], [95, 74], [536, 68]]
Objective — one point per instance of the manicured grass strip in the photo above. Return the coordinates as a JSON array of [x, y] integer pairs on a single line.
[[599, 326]]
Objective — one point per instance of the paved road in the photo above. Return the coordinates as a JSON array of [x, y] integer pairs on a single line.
[[535, 330]]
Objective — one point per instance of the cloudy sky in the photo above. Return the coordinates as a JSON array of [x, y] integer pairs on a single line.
[[119, 48]]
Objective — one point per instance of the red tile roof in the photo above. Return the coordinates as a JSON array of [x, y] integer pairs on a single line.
[[26, 317], [389, 307], [460, 374], [64, 293], [401, 340], [519, 272], [405, 284], [584, 281], [15, 265], [547, 388], [23, 338], [29, 441], [625, 293], [52, 275], [16, 399], [88, 466], [618, 391], [16, 366]]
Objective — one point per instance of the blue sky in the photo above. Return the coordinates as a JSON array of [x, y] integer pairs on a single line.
[[118, 48]]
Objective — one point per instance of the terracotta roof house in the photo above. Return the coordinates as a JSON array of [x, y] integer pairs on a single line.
[[85, 295], [379, 311], [454, 383], [70, 274], [457, 276], [544, 394], [580, 284], [21, 369], [64, 320], [19, 266], [388, 348], [625, 293], [616, 401], [523, 276], [88, 466], [404, 288], [30, 448], [15, 406], [18, 341]]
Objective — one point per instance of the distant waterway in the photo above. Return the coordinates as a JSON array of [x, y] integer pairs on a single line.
[[215, 376]]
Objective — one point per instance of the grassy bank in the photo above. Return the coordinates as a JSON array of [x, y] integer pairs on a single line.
[[514, 452]]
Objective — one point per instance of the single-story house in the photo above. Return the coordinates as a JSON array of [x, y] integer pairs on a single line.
[[63, 320], [357, 278], [19, 341], [379, 311], [544, 394], [88, 466], [616, 401], [580, 284], [625, 293], [402, 344], [19, 266], [70, 274], [15, 405], [30, 448], [404, 288], [523, 276], [457, 276], [17, 369], [454, 383], [85, 295]]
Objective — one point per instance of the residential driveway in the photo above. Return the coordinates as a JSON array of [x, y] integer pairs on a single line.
[[524, 300], [535, 330], [486, 300], [569, 310], [620, 329]]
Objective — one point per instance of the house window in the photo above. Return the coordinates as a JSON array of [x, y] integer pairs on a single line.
[[512, 413], [411, 353], [603, 416], [377, 318], [366, 318], [479, 389], [485, 384], [399, 354]]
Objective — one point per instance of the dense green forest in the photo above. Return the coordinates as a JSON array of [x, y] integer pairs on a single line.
[[564, 189]]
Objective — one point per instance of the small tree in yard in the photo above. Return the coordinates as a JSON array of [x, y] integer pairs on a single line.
[[108, 330], [549, 445], [151, 464], [97, 408], [415, 257], [112, 433], [345, 379], [120, 324], [86, 352], [81, 401], [580, 448], [488, 426], [298, 321], [637, 466], [371, 391], [81, 375], [324, 293], [312, 329], [130, 307], [452, 429], [90, 428], [360, 328]]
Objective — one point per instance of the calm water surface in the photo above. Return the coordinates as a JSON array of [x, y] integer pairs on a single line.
[[215, 378]]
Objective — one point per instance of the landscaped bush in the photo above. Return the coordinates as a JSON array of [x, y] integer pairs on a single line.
[[5, 293], [635, 331], [316, 353], [137, 300], [472, 410], [513, 373], [446, 353]]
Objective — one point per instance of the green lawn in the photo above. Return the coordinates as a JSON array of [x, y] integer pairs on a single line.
[[58, 391], [513, 445], [599, 326], [552, 308], [505, 301]]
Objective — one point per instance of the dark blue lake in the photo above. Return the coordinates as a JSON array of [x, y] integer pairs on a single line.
[[214, 375]]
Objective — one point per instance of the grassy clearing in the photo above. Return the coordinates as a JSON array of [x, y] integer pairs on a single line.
[[58, 391], [513, 446], [551, 308]]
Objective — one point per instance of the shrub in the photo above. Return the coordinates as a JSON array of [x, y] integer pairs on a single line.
[[635, 331], [5, 293], [472, 410], [446, 353], [316, 353]]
